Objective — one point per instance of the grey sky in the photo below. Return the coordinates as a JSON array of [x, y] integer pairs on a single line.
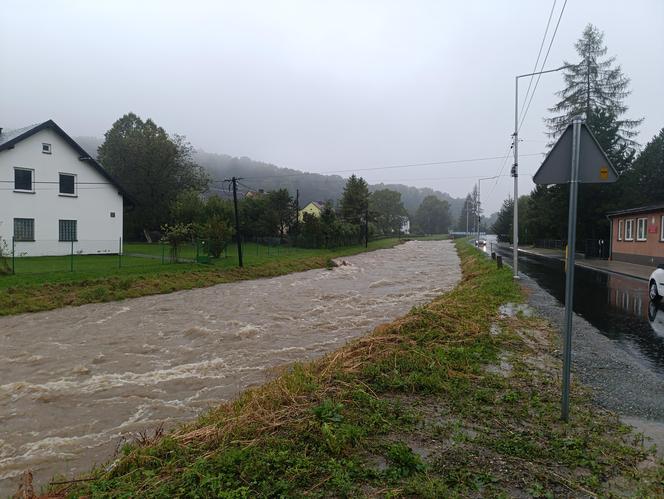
[[316, 85]]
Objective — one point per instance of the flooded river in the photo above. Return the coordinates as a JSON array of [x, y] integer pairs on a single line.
[[75, 381]]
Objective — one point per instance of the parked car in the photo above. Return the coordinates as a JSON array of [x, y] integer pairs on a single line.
[[656, 317], [656, 283]]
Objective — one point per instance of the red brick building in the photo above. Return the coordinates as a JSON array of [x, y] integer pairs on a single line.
[[637, 235]]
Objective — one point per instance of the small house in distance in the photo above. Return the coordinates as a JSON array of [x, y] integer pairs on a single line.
[[637, 235], [314, 208], [57, 198]]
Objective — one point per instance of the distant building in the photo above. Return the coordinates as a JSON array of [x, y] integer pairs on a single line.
[[314, 208], [405, 225], [637, 235], [56, 195]]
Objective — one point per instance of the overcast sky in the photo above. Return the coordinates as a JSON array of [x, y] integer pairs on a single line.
[[320, 86]]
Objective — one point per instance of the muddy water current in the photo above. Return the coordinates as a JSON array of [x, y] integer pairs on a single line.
[[75, 381]]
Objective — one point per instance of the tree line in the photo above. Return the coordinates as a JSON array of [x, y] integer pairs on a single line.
[[595, 88], [174, 197]]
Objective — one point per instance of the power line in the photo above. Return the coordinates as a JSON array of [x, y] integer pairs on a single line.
[[546, 57], [539, 53]]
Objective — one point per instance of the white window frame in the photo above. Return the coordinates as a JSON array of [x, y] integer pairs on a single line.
[[67, 194], [641, 223], [47, 148], [620, 228], [629, 234], [661, 228], [32, 184]]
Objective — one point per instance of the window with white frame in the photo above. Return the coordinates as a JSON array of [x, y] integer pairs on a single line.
[[661, 228], [24, 180], [642, 229], [24, 229], [46, 148], [629, 230], [67, 184], [67, 230], [620, 229]]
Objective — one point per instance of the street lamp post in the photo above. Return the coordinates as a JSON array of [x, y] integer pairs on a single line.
[[515, 167]]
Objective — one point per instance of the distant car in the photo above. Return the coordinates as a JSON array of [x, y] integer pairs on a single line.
[[481, 242], [656, 283]]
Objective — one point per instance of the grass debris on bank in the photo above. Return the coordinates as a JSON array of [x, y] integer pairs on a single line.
[[454, 399], [47, 291]]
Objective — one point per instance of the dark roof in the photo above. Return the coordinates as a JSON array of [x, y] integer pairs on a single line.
[[641, 209], [9, 139]]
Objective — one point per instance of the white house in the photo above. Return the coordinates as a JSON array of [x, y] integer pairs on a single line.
[[54, 197]]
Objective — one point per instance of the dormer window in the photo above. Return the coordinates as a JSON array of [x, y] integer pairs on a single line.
[[23, 180], [46, 148]]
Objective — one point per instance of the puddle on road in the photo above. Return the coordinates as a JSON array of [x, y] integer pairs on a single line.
[[74, 381]]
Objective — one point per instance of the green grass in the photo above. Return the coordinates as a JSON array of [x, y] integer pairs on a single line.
[[410, 410], [44, 283]]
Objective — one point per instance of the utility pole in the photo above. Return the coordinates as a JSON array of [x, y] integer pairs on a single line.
[[478, 213], [297, 213], [467, 213], [515, 166], [238, 237], [366, 225]]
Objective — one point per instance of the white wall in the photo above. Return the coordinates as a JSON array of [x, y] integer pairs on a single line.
[[97, 232]]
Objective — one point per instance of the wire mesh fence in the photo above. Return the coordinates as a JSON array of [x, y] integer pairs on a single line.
[[114, 256]]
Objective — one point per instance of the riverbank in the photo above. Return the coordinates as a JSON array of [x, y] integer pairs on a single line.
[[34, 293], [459, 397]]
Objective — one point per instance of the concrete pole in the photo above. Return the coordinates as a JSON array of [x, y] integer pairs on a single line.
[[515, 174]]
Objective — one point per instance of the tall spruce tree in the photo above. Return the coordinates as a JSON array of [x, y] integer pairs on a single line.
[[593, 84]]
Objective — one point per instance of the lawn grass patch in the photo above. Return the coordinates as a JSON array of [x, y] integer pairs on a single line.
[[452, 400]]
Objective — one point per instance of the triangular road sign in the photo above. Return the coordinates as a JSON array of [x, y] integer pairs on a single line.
[[594, 166]]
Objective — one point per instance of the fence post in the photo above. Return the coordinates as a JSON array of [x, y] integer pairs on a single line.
[[71, 258], [13, 256], [120, 254], [162, 252]]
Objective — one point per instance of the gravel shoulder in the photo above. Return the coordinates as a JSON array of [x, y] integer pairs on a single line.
[[619, 383]]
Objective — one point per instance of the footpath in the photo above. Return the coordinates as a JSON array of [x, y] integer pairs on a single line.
[[641, 272]]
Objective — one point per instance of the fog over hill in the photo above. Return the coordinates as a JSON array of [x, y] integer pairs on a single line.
[[312, 186]]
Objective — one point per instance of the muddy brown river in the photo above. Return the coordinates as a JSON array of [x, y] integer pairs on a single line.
[[75, 381]]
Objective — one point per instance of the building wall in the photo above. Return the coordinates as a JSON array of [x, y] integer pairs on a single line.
[[312, 209], [91, 206], [647, 252]]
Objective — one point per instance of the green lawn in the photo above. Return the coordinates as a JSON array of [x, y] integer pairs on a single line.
[[43, 283]]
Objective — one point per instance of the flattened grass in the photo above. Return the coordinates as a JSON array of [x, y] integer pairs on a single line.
[[452, 400]]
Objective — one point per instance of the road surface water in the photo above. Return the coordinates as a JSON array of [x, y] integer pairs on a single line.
[[616, 305], [75, 381]]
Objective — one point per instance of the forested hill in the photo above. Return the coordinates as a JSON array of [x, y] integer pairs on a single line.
[[312, 186]]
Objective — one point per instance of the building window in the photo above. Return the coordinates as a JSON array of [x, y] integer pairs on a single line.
[[23, 180], [46, 148], [629, 230], [112, 214], [24, 229], [67, 230], [641, 229], [67, 184], [620, 229], [661, 228]]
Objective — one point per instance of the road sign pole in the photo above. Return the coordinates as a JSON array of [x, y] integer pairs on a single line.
[[569, 278]]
